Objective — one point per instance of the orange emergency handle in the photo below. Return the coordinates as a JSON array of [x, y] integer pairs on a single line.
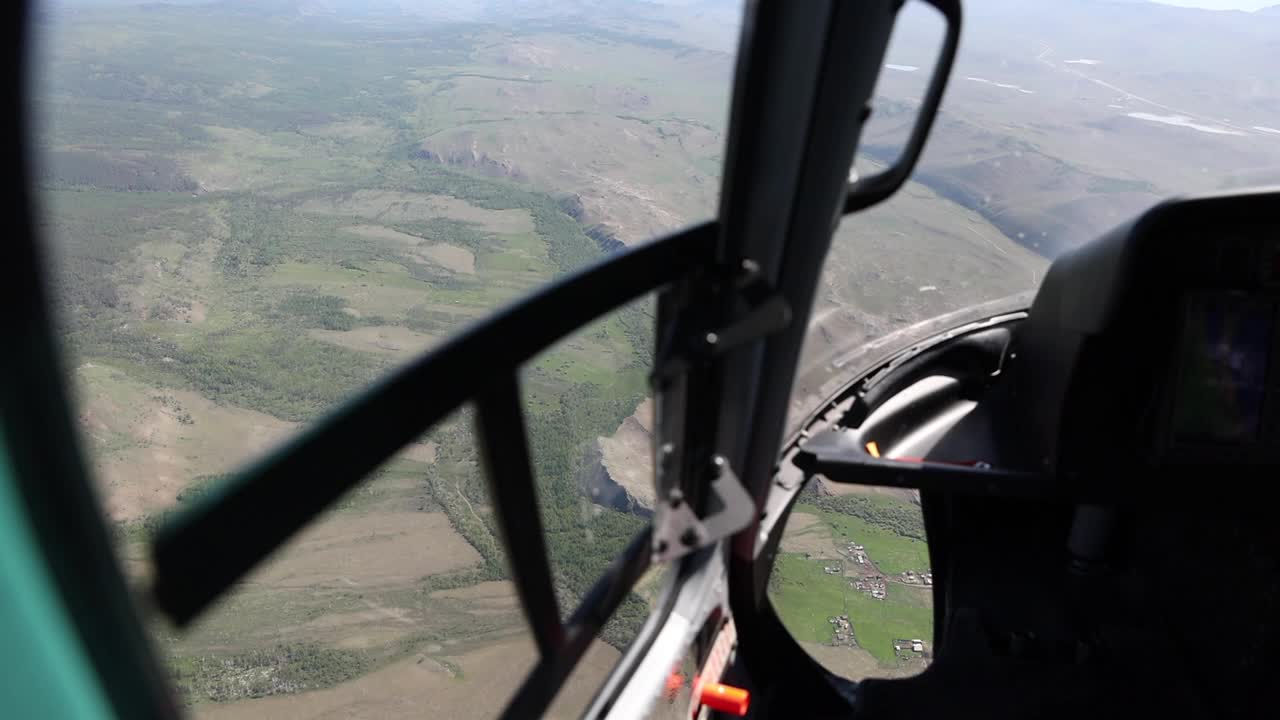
[[726, 698]]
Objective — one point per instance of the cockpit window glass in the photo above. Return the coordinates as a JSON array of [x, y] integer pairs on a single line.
[[852, 581], [254, 209]]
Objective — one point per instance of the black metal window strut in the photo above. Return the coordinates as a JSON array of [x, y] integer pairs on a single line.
[[505, 449], [206, 550]]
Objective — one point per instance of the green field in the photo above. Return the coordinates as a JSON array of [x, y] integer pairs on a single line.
[[806, 599], [819, 531], [893, 553]]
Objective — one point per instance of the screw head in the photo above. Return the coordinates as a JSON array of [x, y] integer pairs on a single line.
[[689, 537], [666, 456]]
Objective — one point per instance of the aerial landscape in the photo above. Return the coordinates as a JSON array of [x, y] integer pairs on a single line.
[[254, 208]]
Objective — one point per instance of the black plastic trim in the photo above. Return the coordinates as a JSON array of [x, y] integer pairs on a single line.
[[542, 684], [505, 450], [870, 190], [831, 455]]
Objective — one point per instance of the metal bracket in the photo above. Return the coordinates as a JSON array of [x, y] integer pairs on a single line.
[[767, 312], [677, 531]]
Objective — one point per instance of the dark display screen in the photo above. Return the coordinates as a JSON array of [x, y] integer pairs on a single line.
[[1222, 374]]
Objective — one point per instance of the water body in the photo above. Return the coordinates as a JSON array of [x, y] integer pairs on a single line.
[[902, 68], [1184, 121], [1007, 86]]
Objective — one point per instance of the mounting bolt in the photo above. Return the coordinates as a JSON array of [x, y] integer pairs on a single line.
[[717, 466], [689, 537], [712, 338], [675, 497], [661, 546], [667, 455]]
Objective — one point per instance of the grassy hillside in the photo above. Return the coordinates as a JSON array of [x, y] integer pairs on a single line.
[[1063, 119], [818, 578]]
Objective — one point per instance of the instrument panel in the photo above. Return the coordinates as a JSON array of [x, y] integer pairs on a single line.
[[1223, 387], [1157, 344]]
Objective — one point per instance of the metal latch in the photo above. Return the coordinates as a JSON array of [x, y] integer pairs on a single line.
[[678, 531]]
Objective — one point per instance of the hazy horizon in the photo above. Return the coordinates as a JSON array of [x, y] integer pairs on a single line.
[[1246, 5]]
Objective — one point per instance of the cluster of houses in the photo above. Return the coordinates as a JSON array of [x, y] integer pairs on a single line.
[[858, 553], [874, 584], [909, 648], [911, 578], [842, 629]]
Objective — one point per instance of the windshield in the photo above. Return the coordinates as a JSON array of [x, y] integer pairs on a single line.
[[253, 209]]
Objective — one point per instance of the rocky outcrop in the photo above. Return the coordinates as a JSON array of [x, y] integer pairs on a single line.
[[604, 237], [571, 205], [620, 474], [605, 490], [470, 159], [474, 159]]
